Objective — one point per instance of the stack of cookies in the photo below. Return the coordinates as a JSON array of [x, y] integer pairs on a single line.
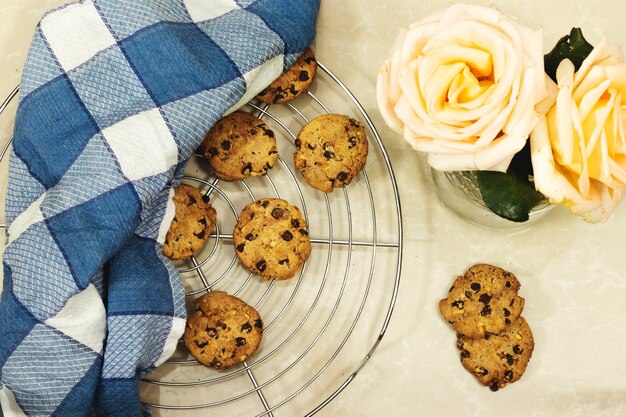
[[484, 308]]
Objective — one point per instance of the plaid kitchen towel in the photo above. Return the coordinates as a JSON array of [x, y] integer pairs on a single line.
[[115, 97]]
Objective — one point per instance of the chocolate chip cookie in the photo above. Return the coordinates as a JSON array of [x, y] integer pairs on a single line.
[[271, 239], [238, 146], [483, 300], [292, 83], [498, 359], [330, 150], [223, 331], [192, 224]]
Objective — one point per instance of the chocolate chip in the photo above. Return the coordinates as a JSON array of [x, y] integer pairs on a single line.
[[298, 143], [517, 350], [465, 354], [246, 327], [265, 203], [278, 97], [509, 359], [205, 198], [507, 313], [240, 247], [481, 371], [310, 146], [268, 132], [353, 142], [459, 343], [201, 344], [240, 341], [293, 90], [511, 303], [200, 234], [212, 151], [284, 261], [354, 123], [309, 59], [250, 237], [507, 321], [458, 304], [295, 223], [261, 265], [494, 386], [328, 155], [216, 364], [508, 375], [277, 213], [212, 332], [304, 232], [202, 221], [247, 169], [225, 145], [258, 323], [487, 336], [508, 284], [304, 76], [222, 325], [192, 201], [287, 236], [475, 286], [342, 176], [484, 298], [253, 131], [468, 294], [485, 311]]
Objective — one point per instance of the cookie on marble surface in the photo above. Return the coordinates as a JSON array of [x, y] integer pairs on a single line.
[[271, 239], [240, 145], [192, 224], [483, 300], [330, 151], [223, 331], [292, 83], [498, 359]]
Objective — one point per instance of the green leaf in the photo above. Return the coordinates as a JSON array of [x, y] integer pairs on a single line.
[[508, 195], [573, 46]]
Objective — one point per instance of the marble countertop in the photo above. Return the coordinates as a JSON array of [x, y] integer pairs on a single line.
[[573, 274]]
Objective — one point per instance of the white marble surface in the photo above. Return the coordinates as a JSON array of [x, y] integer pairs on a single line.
[[573, 274]]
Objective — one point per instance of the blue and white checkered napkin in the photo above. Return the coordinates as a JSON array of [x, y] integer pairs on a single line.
[[115, 96]]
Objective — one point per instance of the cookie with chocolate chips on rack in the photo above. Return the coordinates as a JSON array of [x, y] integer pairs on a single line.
[[223, 331], [330, 151], [483, 300], [292, 83], [271, 239], [240, 145], [192, 224]]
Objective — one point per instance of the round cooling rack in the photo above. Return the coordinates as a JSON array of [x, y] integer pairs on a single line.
[[320, 327]]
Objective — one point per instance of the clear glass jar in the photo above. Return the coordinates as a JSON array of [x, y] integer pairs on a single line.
[[459, 191]]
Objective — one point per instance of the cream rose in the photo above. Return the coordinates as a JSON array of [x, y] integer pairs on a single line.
[[463, 85], [578, 149]]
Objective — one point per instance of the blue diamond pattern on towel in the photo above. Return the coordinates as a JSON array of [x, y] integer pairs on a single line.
[[179, 72], [94, 172], [86, 240], [41, 65], [110, 88], [125, 17], [100, 223], [190, 118], [46, 362], [243, 50], [50, 151], [143, 333], [24, 192], [45, 280]]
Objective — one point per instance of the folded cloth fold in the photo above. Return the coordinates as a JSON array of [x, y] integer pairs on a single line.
[[115, 97]]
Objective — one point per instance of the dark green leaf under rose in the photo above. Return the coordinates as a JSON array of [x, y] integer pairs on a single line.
[[512, 195], [573, 46]]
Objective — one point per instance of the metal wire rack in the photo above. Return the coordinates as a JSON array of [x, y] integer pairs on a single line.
[[322, 326]]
